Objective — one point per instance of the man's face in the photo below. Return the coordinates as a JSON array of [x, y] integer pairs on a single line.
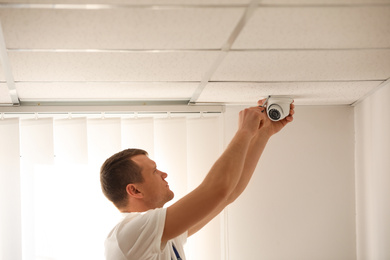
[[154, 188]]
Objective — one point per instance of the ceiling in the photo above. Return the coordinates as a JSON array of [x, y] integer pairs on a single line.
[[320, 52]]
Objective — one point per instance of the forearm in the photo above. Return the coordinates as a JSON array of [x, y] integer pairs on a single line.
[[210, 197], [226, 171], [253, 153], [255, 150]]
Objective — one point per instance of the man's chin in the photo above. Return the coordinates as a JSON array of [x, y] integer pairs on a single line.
[[171, 196]]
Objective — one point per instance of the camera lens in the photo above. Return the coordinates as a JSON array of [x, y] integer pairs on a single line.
[[274, 114]]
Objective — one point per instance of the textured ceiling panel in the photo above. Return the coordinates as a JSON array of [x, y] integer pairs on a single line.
[[105, 91], [2, 76], [102, 66], [316, 27], [304, 66], [304, 93], [122, 28]]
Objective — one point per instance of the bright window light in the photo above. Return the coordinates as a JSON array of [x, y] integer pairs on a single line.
[[71, 215]]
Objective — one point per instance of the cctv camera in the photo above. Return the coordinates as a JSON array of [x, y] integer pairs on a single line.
[[278, 107]]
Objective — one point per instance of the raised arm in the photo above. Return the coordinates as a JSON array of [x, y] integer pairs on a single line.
[[254, 153], [219, 183], [256, 149]]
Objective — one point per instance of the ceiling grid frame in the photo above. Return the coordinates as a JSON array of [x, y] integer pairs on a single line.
[[222, 53], [225, 49]]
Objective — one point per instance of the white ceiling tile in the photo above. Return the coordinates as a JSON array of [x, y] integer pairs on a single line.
[[304, 93], [317, 27], [108, 66], [122, 28], [5, 98], [304, 65], [105, 91], [2, 76]]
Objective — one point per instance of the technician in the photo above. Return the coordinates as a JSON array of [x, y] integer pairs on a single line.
[[132, 182]]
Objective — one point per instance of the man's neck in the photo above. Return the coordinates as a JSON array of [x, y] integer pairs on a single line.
[[135, 206]]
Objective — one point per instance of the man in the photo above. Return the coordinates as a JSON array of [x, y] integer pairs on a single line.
[[131, 180]]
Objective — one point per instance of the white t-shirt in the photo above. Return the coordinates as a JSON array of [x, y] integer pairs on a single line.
[[138, 237]]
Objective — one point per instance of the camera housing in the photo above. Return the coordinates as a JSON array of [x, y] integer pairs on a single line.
[[278, 107]]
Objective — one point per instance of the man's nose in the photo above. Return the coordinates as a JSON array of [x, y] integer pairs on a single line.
[[163, 174]]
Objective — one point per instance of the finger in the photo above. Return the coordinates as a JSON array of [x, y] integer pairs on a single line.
[[289, 119], [292, 106], [257, 108], [261, 102], [260, 108]]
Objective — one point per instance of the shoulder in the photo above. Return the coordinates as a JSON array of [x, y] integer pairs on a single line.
[[135, 226], [138, 233]]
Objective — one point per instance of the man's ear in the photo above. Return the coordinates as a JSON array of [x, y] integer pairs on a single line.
[[132, 190]]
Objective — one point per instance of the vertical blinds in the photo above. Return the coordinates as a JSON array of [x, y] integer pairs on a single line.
[[49, 175]]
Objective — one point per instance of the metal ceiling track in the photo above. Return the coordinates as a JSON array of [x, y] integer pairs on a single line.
[[120, 106]]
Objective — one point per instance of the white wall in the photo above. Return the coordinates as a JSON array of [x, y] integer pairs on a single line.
[[372, 124], [300, 203]]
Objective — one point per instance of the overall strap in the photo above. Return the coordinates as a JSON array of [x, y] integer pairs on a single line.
[[176, 253]]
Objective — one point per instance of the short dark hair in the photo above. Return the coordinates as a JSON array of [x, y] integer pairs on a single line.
[[117, 172]]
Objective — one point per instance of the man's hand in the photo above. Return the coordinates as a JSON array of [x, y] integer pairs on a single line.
[[251, 120], [273, 127]]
